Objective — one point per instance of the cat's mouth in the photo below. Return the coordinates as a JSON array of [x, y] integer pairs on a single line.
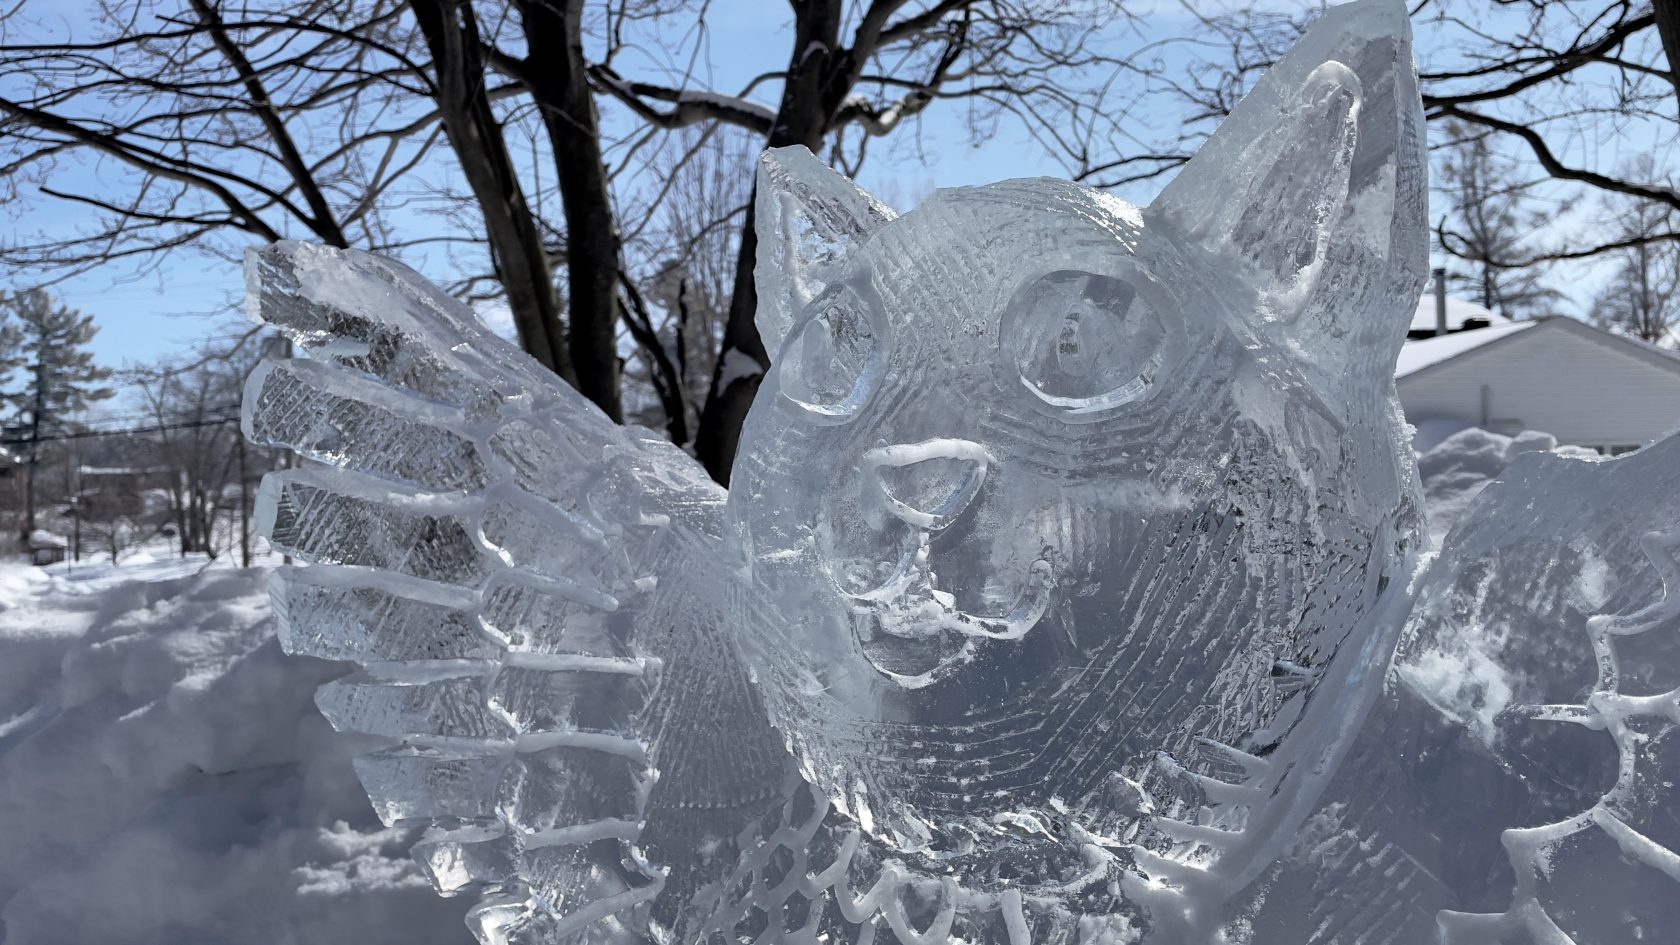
[[909, 622]]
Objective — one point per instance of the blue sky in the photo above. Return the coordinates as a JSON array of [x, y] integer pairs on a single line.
[[145, 315]]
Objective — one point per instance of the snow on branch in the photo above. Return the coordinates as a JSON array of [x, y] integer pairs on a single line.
[[690, 106]]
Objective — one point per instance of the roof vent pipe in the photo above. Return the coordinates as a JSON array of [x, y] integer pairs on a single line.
[[1441, 301]]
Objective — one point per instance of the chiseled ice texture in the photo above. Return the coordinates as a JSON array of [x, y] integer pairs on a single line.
[[1516, 783], [1067, 545], [1079, 525]]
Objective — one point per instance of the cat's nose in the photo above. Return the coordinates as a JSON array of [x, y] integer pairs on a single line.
[[927, 484]]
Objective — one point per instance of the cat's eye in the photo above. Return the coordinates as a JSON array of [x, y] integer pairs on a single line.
[[1084, 343], [832, 361]]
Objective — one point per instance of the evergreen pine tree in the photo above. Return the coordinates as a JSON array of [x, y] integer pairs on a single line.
[[57, 378], [10, 453]]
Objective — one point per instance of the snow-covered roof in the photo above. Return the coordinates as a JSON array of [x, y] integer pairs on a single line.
[[41, 538], [121, 470], [1417, 355], [1457, 311]]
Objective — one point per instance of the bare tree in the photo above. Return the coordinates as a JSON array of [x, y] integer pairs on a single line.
[[860, 70], [102, 522], [687, 246], [1488, 222], [1556, 80], [518, 250], [1642, 298], [194, 406], [211, 132], [557, 75], [232, 124], [228, 124]]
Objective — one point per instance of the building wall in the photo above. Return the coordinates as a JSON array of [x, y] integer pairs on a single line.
[[1551, 378]]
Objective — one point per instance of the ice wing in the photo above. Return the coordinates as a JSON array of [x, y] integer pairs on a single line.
[[1516, 783], [534, 594]]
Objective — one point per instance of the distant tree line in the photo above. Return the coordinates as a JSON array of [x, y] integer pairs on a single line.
[[170, 464]]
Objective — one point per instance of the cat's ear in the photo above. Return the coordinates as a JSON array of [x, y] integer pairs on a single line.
[[1316, 186], [1265, 192], [808, 216]]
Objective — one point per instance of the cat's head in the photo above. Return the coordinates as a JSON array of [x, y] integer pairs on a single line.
[[1042, 483]]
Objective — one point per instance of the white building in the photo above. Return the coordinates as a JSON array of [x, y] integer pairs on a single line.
[[1581, 384]]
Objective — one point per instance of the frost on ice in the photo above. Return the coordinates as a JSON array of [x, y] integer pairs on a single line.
[[1069, 545], [1516, 783]]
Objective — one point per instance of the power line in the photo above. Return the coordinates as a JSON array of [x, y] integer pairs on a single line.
[[90, 434], [93, 423]]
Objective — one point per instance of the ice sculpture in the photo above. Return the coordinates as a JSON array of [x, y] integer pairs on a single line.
[[1516, 785], [1068, 547]]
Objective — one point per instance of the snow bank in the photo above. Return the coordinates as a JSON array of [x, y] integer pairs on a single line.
[[1460, 466], [165, 776]]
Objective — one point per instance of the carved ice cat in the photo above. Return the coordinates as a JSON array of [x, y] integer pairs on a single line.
[[1065, 542], [1065, 506]]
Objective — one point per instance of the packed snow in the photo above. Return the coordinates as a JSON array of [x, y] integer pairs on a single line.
[[1456, 470], [165, 777]]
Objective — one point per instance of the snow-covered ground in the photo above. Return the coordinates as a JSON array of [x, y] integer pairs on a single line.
[[166, 778]]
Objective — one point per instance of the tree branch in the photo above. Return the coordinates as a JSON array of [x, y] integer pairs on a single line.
[[144, 160], [1549, 161], [690, 107], [320, 217]]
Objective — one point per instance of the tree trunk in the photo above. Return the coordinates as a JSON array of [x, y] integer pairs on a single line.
[[516, 245], [1668, 27], [731, 394], [29, 499], [560, 84], [819, 77], [181, 519]]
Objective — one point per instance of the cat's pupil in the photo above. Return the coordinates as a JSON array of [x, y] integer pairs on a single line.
[[842, 344], [1069, 345], [1081, 340]]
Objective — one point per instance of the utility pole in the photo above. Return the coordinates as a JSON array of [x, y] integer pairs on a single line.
[[74, 475], [34, 448]]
